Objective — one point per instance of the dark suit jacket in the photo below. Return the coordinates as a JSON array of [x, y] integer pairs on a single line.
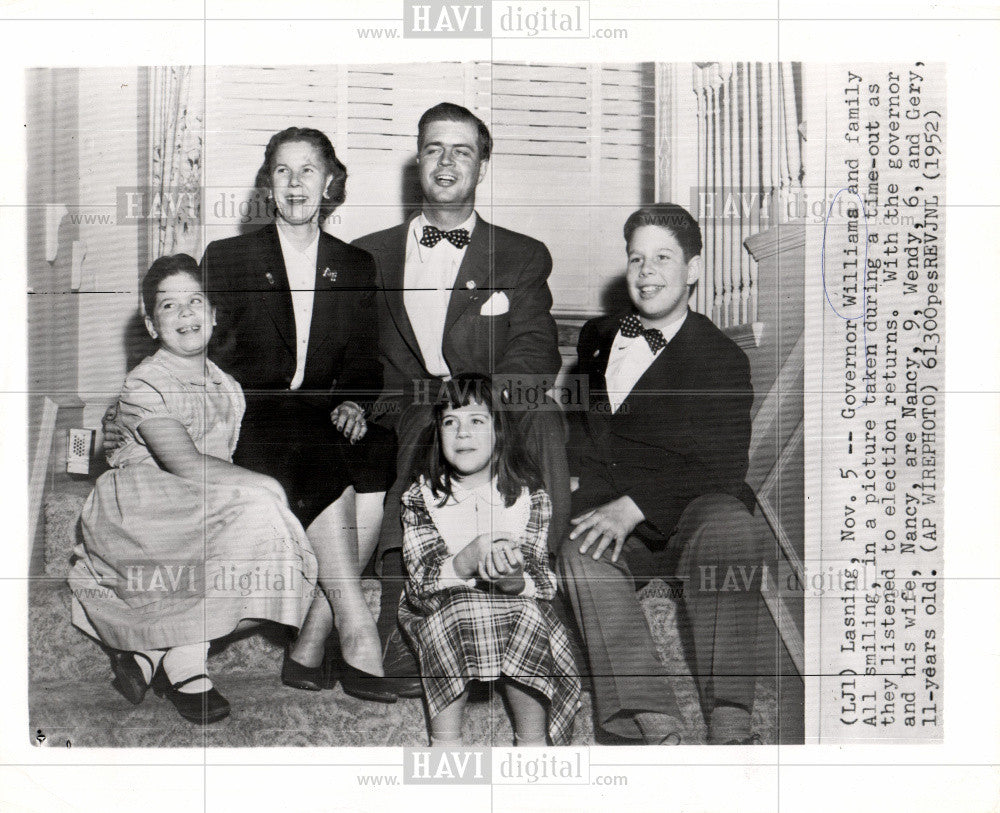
[[522, 340], [683, 431], [255, 337]]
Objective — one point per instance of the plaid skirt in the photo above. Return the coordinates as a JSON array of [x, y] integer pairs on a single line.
[[479, 635]]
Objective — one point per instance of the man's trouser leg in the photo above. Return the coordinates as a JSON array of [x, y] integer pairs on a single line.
[[389, 562]]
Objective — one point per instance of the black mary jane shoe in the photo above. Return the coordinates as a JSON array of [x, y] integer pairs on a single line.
[[364, 685], [195, 707], [308, 678], [129, 679]]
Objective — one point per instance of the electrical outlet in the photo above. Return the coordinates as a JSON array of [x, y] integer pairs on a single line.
[[81, 446]]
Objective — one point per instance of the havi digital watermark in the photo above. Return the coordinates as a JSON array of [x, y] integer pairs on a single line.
[[484, 19]]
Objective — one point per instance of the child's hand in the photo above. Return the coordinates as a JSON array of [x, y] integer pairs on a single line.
[[503, 566], [468, 559], [504, 558]]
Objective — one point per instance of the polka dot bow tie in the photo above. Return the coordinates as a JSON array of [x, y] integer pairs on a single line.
[[459, 238], [632, 327]]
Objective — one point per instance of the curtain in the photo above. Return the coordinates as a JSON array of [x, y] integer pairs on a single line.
[[177, 134]]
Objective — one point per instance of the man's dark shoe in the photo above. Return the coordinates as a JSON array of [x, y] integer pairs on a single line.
[[402, 675]]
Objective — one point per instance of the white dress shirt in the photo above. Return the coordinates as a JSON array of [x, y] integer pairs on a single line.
[[428, 278], [300, 265], [629, 359]]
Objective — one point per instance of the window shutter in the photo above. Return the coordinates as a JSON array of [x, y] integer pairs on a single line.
[[244, 107], [573, 155]]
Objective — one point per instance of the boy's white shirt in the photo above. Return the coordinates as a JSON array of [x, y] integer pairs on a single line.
[[469, 512]]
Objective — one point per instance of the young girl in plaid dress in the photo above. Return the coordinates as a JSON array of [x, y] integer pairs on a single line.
[[476, 604]]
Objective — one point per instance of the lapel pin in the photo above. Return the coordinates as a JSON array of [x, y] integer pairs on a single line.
[[330, 275], [269, 277], [471, 285]]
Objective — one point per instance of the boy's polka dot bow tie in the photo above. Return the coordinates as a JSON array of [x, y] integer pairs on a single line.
[[632, 327], [459, 238]]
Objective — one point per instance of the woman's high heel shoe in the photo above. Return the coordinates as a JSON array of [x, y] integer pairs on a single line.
[[363, 685], [129, 679], [308, 678], [355, 682], [195, 707]]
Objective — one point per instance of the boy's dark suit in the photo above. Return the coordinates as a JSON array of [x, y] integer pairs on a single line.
[[678, 447], [521, 343], [287, 433]]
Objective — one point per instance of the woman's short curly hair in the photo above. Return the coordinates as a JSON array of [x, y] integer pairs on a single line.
[[323, 146]]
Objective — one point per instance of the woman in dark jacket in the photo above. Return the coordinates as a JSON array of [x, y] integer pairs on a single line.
[[298, 329]]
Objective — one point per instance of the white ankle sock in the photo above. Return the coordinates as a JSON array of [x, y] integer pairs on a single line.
[[154, 655], [446, 740], [183, 662]]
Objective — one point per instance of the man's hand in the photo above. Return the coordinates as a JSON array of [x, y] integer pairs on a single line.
[[349, 419], [607, 524], [112, 436]]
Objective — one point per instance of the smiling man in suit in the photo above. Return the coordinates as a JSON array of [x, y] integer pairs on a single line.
[[457, 295], [662, 493]]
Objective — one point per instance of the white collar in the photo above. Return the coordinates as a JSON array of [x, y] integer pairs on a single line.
[[184, 373], [287, 244], [485, 493]]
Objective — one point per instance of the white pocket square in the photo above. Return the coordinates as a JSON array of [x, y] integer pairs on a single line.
[[496, 305]]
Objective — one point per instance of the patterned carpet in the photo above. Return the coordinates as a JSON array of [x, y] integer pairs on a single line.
[[71, 698]]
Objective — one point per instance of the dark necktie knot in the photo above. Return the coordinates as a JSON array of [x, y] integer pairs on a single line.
[[631, 327], [459, 238]]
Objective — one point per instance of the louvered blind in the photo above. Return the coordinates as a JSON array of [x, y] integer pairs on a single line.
[[574, 148]]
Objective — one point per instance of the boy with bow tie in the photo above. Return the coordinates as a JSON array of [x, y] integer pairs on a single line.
[[662, 493]]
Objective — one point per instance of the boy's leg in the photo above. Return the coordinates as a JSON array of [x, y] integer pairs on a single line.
[[626, 671], [722, 564]]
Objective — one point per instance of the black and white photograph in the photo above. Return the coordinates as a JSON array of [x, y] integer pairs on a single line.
[[296, 553], [522, 406]]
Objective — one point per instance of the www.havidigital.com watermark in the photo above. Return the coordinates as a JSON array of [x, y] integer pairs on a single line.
[[832, 579], [813, 204], [491, 18], [515, 393], [501, 766], [209, 206], [227, 578]]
